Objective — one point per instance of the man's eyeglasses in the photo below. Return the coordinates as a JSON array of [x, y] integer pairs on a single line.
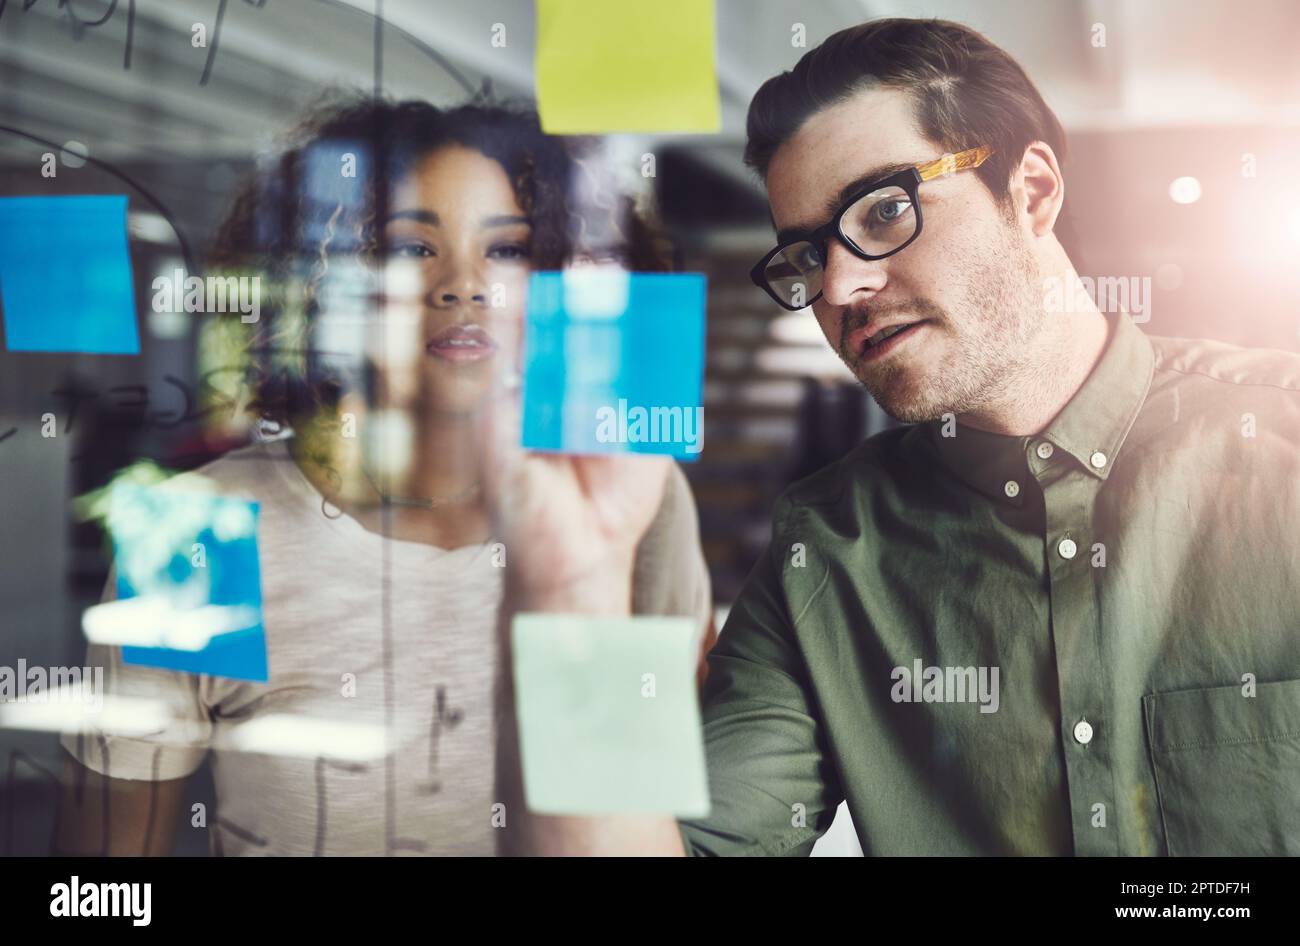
[[877, 221]]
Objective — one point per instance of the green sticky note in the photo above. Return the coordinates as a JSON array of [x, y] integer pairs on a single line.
[[609, 720], [607, 66]]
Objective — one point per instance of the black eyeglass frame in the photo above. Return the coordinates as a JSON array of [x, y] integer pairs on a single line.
[[909, 179]]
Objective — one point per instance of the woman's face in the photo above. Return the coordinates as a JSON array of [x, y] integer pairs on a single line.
[[455, 280]]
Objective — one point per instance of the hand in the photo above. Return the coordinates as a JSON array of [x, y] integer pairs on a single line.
[[570, 524]]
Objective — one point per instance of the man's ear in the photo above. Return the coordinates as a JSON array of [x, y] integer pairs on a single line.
[[1038, 188]]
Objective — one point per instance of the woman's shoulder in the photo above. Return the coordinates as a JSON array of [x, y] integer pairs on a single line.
[[670, 576], [256, 471]]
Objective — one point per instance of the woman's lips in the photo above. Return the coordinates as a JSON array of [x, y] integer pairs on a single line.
[[460, 344]]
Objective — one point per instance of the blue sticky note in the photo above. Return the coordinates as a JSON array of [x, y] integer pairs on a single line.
[[614, 362], [65, 275], [332, 175], [196, 553]]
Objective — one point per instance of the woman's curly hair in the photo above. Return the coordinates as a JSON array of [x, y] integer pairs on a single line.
[[291, 218]]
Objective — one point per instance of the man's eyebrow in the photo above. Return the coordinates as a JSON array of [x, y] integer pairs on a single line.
[[847, 191], [433, 220], [857, 184]]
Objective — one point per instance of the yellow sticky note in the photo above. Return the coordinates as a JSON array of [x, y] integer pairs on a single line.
[[626, 66]]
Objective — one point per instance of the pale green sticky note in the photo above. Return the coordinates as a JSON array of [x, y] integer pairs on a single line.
[[609, 720], [617, 66]]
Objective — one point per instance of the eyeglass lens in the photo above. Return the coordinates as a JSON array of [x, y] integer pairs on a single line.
[[876, 224]]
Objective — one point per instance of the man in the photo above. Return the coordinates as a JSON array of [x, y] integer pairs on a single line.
[[1058, 614]]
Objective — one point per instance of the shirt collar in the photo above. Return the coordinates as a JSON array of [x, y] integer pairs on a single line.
[[1093, 425], [1091, 428]]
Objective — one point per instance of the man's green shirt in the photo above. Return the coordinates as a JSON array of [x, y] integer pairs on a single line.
[[1085, 641]]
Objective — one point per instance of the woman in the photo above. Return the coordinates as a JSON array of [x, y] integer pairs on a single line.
[[381, 576]]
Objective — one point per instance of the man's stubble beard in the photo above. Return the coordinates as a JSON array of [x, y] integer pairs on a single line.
[[993, 339]]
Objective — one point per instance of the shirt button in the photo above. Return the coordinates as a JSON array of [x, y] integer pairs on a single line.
[[1083, 732], [1011, 488], [1098, 460], [1067, 548], [1044, 451]]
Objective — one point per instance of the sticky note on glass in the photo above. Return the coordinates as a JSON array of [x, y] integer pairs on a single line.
[[608, 716], [188, 583], [614, 362], [65, 275], [332, 175], [607, 66]]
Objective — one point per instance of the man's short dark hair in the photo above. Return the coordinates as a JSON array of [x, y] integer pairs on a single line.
[[968, 92]]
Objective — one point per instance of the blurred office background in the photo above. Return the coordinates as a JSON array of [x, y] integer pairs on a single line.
[[1185, 168]]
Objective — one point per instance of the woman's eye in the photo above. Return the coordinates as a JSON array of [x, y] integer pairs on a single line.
[[509, 252], [411, 251]]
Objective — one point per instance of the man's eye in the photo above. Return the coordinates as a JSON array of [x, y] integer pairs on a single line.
[[807, 257], [888, 211], [510, 252]]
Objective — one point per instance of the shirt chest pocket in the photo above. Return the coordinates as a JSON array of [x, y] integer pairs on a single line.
[[1227, 768]]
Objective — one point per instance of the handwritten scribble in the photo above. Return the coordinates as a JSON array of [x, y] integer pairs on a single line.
[[248, 837], [153, 798], [322, 817], [442, 716], [158, 205], [216, 36], [78, 27], [132, 412]]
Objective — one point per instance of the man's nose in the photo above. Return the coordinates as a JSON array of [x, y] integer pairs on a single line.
[[847, 278]]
